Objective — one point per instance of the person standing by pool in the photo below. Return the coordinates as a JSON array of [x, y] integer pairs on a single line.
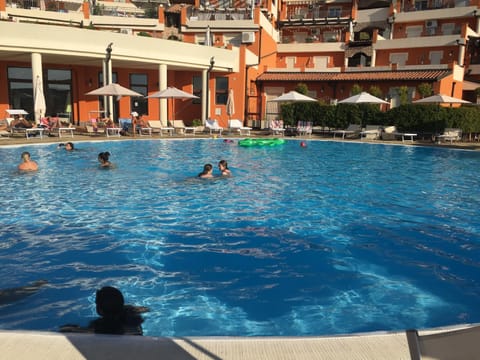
[[207, 172], [103, 159], [27, 163], [224, 170]]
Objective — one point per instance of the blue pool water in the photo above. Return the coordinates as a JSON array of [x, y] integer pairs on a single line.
[[332, 238]]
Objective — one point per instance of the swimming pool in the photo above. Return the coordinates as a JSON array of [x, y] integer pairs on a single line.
[[332, 238]]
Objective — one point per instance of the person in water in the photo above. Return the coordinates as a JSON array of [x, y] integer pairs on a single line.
[[103, 159], [116, 318], [223, 167], [27, 164], [68, 146], [207, 172]]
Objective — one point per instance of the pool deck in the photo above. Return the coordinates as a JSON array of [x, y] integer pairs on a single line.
[[459, 342], [78, 137]]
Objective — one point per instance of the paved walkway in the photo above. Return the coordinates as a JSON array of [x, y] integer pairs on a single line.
[[453, 343]]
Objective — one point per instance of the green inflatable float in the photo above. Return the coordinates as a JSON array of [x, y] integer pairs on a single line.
[[260, 142]]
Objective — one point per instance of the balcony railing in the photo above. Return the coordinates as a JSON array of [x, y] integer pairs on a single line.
[[226, 14]]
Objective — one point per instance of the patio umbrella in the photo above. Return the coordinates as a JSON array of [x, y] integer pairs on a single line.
[[440, 99], [39, 100], [113, 89], [363, 98], [230, 104], [293, 96], [172, 93]]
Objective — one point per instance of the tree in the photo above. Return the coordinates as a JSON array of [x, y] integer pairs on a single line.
[[356, 89], [425, 89], [375, 91], [302, 88]]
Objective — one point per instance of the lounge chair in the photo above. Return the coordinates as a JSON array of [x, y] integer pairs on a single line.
[[371, 132], [276, 127], [235, 125], [304, 128], [212, 126], [157, 126], [180, 127], [450, 134], [458, 344], [351, 130], [391, 133]]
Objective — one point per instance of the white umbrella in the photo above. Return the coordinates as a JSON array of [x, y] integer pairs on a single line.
[[440, 99], [230, 103], [172, 93], [293, 96], [113, 89], [39, 100], [363, 98]]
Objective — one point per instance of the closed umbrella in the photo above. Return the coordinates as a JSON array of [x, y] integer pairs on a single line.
[[208, 37], [230, 104], [172, 93], [39, 105]]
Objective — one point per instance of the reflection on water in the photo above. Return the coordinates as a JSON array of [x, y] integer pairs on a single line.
[[331, 238]]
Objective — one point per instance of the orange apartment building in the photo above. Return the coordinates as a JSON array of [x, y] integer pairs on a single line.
[[210, 47]]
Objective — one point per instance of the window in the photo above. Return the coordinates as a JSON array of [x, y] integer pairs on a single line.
[[20, 90], [221, 90], [197, 89], [334, 12], [58, 93], [139, 83]]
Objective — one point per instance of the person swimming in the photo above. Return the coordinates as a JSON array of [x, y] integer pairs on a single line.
[[68, 146], [27, 164], [103, 159], [223, 167], [207, 172]]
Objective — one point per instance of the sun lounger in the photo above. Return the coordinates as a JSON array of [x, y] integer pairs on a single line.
[[235, 125], [304, 128], [371, 132], [157, 126], [352, 129], [458, 344], [276, 127], [450, 134], [180, 127], [212, 126], [61, 130]]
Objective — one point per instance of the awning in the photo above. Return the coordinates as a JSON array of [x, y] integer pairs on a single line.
[[470, 85]]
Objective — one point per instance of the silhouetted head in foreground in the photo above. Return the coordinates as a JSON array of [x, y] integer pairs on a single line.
[[116, 317]]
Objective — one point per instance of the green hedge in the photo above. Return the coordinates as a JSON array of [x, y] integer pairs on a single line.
[[407, 118]]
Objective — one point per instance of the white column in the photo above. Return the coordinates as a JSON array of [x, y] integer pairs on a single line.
[[105, 98], [110, 98], [461, 52], [373, 60], [37, 72], [204, 95], [162, 84]]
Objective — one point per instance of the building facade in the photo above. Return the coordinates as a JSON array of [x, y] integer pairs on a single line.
[[212, 48]]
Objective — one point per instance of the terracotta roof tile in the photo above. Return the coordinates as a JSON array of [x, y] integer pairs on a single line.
[[403, 75]]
